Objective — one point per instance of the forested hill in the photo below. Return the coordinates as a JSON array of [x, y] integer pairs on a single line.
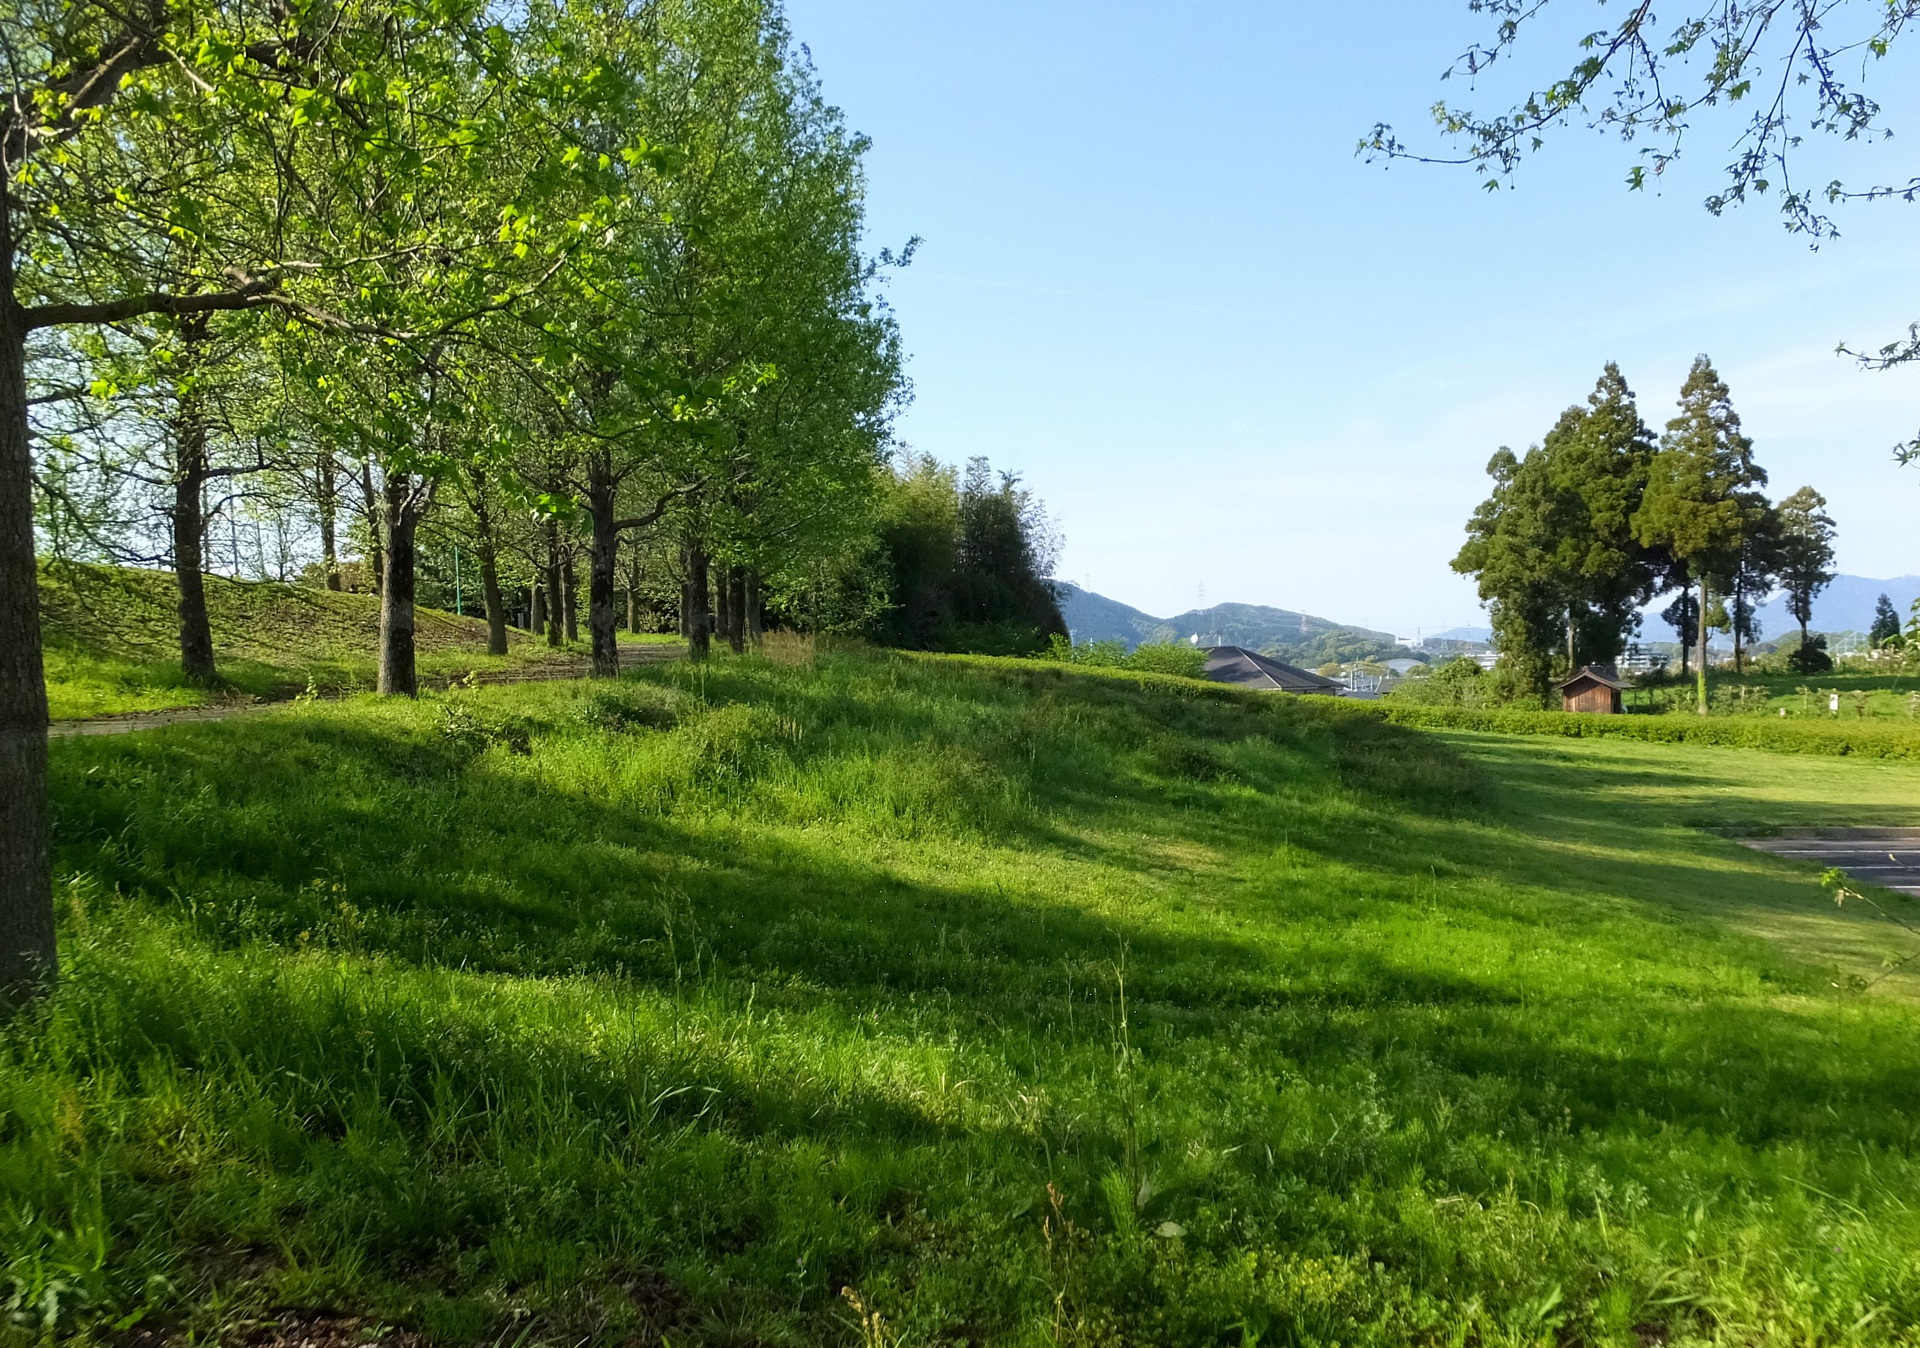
[[1846, 605], [1299, 637]]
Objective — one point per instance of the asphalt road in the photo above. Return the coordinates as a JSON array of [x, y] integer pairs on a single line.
[[1888, 857]]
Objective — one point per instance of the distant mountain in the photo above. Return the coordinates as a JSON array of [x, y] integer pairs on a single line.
[[1844, 606], [1275, 631], [1094, 617]]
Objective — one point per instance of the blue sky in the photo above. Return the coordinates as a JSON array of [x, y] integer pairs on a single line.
[[1229, 354]]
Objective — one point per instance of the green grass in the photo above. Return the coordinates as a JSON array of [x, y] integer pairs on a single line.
[[1033, 1006], [1888, 695], [1853, 736], [112, 641]]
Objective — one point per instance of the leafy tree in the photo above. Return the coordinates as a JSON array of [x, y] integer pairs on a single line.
[[1806, 555], [1702, 505], [1002, 601], [1755, 573], [1683, 616], [86, 211], [1554, 547], [1510, 546], [967, 561], [1801, 68], [1886, 621]]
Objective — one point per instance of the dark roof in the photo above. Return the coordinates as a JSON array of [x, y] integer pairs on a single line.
[[1250, 669], [1604, 675]]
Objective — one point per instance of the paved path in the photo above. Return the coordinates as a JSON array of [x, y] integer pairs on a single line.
[[631, 657], [1888, 857]]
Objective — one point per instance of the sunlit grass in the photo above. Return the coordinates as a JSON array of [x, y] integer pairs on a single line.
[[112, 642], [1034, 1006]]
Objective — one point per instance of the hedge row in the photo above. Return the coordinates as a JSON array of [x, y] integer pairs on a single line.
[[1859, 739]]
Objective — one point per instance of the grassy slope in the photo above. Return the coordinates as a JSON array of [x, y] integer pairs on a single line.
[[677, 1006], [113, 640]]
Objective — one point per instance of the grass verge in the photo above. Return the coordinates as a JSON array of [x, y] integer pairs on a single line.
[[1861, 738], [869, 999], [112, 641]]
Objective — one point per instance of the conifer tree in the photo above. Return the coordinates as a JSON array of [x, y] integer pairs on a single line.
[[1702, 502], [1886, 621], [1806, 557]]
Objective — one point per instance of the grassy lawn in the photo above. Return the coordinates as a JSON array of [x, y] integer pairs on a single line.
[[868, 999], [112, 641], [1887, 695]]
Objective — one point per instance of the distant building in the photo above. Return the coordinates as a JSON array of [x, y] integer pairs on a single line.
[[1596, 688], [1249, 669]]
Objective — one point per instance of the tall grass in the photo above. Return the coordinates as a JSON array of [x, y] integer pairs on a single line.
[[851, 998]]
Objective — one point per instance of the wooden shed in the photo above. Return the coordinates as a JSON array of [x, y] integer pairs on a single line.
[[1596, 688]]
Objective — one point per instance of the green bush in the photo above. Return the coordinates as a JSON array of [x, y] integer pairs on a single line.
[[1460, 682], [1156, 657], [1859, 739]]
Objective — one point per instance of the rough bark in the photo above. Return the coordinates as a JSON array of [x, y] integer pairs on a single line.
[[190, 469], [698, 604], [496, 604], [28, 963], [327, 499], [553, 614], [375, 552], [537, 609], [602, 557], [737, 608], [487, 545], [1700, 649], [723, 603], [398, 676], [570, 592]]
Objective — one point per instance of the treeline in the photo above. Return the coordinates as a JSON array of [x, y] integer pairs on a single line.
[[1600, 518], [578, 290]]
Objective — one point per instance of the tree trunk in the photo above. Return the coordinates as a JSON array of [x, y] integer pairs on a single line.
[[28, 963], [755, 628], [1734, 613], [537, 609], [722, 603], [603, 556], [570, 591], [397, 673], [489, 549], [190, 470], [1700, 636], [633, 608], [326, 497], [375, 552], [496, 603], [551, 578], [698, 604], [737, 608]]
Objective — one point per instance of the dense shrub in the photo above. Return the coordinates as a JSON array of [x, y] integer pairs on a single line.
[[1458, 683], [1156, 657]]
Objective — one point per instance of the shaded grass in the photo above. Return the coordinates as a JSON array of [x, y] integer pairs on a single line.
[[1033, 1005], [112, 641]]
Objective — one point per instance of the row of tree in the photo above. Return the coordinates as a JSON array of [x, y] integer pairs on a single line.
[[1588, 527], [570, 287]]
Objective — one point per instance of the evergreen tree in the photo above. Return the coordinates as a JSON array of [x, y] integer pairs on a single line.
[[1702, 502], [1510, 550], [1554, 549], [1886, 621], [1806, 558]]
